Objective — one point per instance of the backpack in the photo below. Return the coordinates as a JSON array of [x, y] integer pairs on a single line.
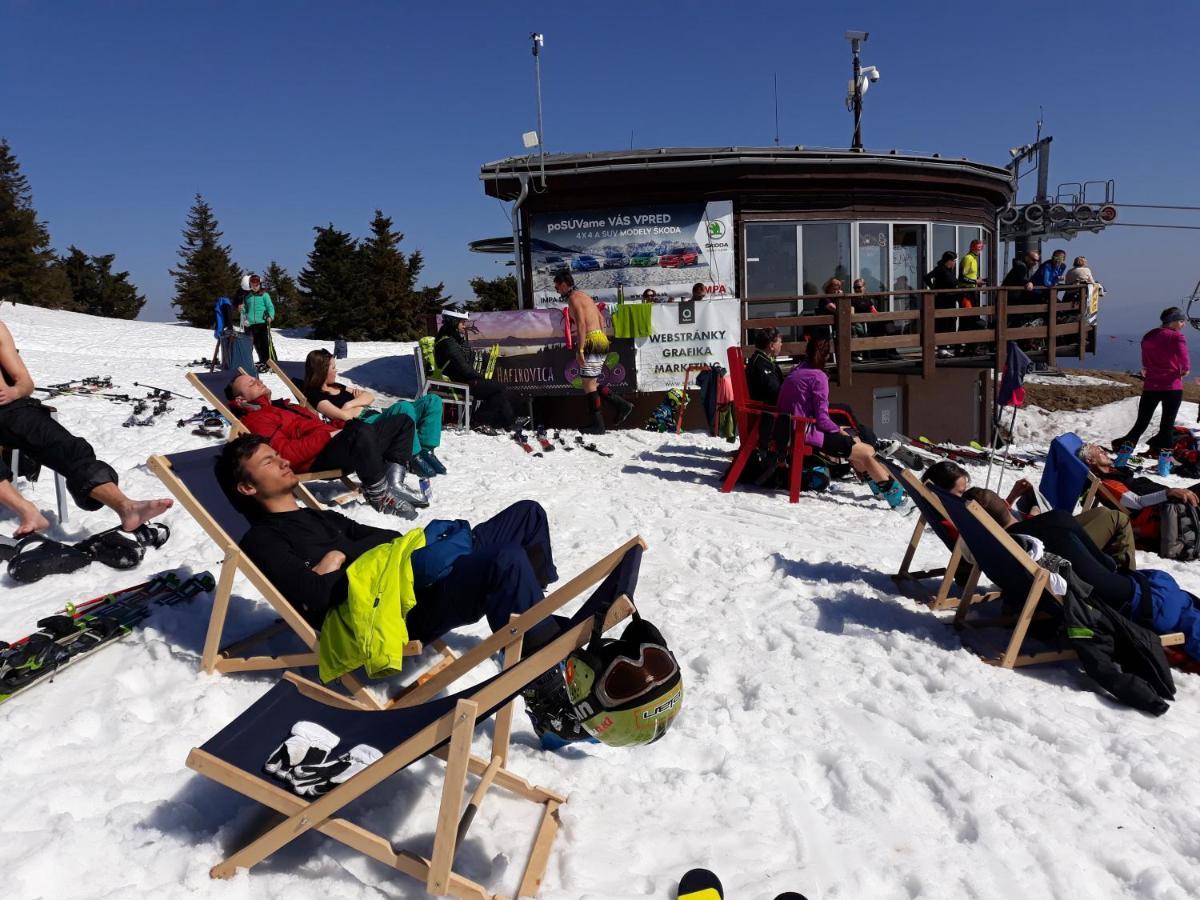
[[1179, 532]]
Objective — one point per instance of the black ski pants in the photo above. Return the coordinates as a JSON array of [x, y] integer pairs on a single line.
[[1065, 537], [26, 425], [495, 404], [261, 335], [366, 449], [1165, 439], [505, 574]]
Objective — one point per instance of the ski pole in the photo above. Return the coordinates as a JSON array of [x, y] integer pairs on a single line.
[[1007, 448], [164, 390]]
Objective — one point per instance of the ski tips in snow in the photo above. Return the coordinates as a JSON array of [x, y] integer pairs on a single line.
[[700, 884]]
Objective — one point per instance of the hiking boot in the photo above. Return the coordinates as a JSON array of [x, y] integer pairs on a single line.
[[433, 462], [550, 711]]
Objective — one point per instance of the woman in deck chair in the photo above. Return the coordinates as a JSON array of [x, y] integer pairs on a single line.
[[461, 574], [1096, 528], [340, 404], [1149, 597], [805, 392]]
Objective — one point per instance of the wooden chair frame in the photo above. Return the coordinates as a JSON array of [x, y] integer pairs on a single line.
[[222, 660], [911, 582], [353, 491], [1011, 656], [454, 729]]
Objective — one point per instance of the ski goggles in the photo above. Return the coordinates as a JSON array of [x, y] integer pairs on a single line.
[[627, 678]]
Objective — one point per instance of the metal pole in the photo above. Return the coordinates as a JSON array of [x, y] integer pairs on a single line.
[[537, 68], [856, 144], [1012, 427], [518, 250]]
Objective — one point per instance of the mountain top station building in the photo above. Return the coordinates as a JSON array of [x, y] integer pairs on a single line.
[[766, 230]]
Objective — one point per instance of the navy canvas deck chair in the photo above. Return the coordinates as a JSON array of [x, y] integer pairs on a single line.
[[415, 726], [933, 518], [211, 386], [1017, 576], [1066, 479], [191, 478]]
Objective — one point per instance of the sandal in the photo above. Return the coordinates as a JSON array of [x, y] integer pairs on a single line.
[[36, 556], [113, 548]]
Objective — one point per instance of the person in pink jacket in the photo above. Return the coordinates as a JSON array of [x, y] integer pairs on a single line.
[[1164, 366], [805, 392]]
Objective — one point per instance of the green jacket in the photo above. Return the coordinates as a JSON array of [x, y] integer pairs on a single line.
[[259, 308], [368, 630]]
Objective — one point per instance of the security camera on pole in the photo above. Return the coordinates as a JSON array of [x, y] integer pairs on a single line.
[[863, 76]]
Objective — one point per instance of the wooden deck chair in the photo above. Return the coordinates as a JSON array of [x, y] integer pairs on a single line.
[[431, 379], [211, 386], [750, 417], [191, 478], [440, 726], [1019, 578], [933, 518]]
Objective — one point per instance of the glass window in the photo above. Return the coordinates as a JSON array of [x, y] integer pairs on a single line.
[[825, 255], [873, 257], [770, 260], [909, 263], [944, 238]]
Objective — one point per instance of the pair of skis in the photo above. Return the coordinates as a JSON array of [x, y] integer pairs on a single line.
[[79, 630], [701, 884]]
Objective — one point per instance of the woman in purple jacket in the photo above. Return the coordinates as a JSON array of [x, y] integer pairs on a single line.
[[805, 392], [1164, 365]]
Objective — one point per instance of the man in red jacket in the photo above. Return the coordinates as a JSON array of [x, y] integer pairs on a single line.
[[378, 453]]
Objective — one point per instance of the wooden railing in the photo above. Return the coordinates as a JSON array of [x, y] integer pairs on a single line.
[[1064, 322]]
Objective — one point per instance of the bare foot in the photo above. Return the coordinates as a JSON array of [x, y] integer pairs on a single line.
[[31, 521], [138, 512]]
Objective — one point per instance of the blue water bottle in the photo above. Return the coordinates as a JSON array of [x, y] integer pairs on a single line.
[[1124, 453], [1164, 463]]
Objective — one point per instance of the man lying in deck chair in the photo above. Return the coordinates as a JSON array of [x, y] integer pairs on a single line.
[[496, 568], [1148, 504], [378, 453]]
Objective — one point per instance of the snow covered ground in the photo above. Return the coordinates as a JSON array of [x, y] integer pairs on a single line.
[[835, 738]]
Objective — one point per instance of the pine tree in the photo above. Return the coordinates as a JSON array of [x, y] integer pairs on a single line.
[[332, 286], [27, 270], [494, 293], [394, 308], [206, 271], [289, 310], [96, 289]]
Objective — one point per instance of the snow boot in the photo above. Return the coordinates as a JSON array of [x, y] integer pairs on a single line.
[[316, 780], [550, 710], [433, 462], [623, 407], [891, 491], [594, 413], [309, 744]]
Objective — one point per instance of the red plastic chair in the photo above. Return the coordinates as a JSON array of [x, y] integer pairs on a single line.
[[749, 415]]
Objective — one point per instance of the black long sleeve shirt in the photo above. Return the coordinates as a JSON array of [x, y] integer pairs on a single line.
[[285, 546]]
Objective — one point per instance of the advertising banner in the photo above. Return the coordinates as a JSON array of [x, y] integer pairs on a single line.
[[676, 343], [534, 360], [665, 247]]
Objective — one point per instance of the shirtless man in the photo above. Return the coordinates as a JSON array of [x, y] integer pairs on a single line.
[[591, 349], [26, 425]]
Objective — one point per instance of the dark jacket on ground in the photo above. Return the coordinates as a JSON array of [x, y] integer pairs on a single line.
[[763, 378], [450, 354]]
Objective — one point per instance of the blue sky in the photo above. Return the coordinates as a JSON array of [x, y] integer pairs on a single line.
[[291, 115]]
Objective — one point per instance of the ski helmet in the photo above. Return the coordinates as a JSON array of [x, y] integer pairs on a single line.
[[245, 282], [676, 397], [625, 692]]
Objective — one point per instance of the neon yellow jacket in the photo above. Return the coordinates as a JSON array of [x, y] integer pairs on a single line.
[[969, 270], [368, 630]]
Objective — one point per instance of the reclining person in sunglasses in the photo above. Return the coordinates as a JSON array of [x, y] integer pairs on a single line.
[[377, 452], [460, 573]]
